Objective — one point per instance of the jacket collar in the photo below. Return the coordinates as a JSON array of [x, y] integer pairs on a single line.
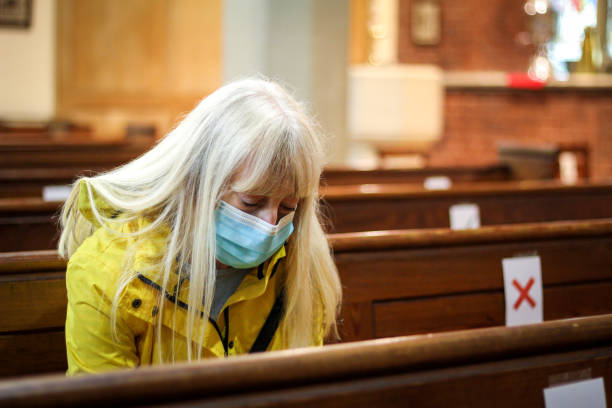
[[253, 285]]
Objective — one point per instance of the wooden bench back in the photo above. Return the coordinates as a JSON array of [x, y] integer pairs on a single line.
[[402, 206], [28, 224], [502, 367], [32, 223], [33, 310], [415, 281], [27, 166], [339, 176], [24, 177]]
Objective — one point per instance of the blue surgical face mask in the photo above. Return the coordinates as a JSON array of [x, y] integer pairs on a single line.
[[245, 241]]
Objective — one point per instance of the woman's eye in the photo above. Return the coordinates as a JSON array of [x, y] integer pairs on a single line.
[[249, 203], [288, 208], [249, 200]]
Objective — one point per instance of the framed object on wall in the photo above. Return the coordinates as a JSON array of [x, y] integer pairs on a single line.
[[15, 13]]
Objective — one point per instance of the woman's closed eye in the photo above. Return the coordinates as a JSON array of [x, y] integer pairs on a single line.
[[288, 208], [250, 201]]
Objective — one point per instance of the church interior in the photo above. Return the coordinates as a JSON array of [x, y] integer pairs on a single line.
[[466, 194]]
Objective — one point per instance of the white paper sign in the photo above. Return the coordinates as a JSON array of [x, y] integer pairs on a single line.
[[437, 183], [523, 290], [56, 193], [583, 394], [464, 216]]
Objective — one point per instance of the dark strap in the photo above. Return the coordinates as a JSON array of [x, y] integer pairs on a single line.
[[264, 338], [224, 339]]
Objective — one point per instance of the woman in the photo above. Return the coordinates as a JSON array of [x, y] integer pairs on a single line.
[[207, 245]]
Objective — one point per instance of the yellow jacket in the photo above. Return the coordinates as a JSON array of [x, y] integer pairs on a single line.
[[92, 281]]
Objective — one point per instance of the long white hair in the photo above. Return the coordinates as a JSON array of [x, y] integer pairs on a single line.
[[179, 182]]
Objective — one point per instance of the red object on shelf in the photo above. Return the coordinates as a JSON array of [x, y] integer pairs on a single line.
[[523, 81]]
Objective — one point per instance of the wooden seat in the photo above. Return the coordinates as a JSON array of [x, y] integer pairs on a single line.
[[502, 367]]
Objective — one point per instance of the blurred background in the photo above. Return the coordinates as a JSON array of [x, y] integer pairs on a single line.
[[395, 83]]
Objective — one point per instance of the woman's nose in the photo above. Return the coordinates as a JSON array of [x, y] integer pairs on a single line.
[[269, 215]]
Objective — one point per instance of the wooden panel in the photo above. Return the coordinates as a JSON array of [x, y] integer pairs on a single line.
[[27, 233], [468, 311], [437, 270], [32, 301], [438, 314], [165, 56], [28, 223], [357, 321], [32, 353]]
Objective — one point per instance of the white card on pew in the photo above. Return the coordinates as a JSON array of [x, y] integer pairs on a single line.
[[587, 394], [437, 183], [464, 216], [523, 290], [56, 193]]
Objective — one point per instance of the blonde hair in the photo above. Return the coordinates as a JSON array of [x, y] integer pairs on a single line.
[[179, 182]]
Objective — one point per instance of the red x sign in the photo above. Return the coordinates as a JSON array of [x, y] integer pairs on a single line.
[[522, 271], [523, 293]]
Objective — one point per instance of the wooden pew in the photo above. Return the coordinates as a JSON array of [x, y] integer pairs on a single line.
[[369, 208], [501, 367], [27, 165], [401, 206], [22, 177], [416, 281], [334, 176], [28, 224], [33, 310], [395, 283]]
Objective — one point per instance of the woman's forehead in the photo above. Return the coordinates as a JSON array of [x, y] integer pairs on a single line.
[[267, 185], [280, 177], [267, 190]]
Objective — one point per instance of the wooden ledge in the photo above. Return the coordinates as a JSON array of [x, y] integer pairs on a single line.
[[332, 173], [28, 174], [46, 260], [498, 80], [396, 239], [31, 261], [274, 370], [414, 190], [334, 193], [8, 205]]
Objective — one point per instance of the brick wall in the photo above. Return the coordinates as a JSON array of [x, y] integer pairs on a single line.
[[475, 121], [479, 35], [476, 35]]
